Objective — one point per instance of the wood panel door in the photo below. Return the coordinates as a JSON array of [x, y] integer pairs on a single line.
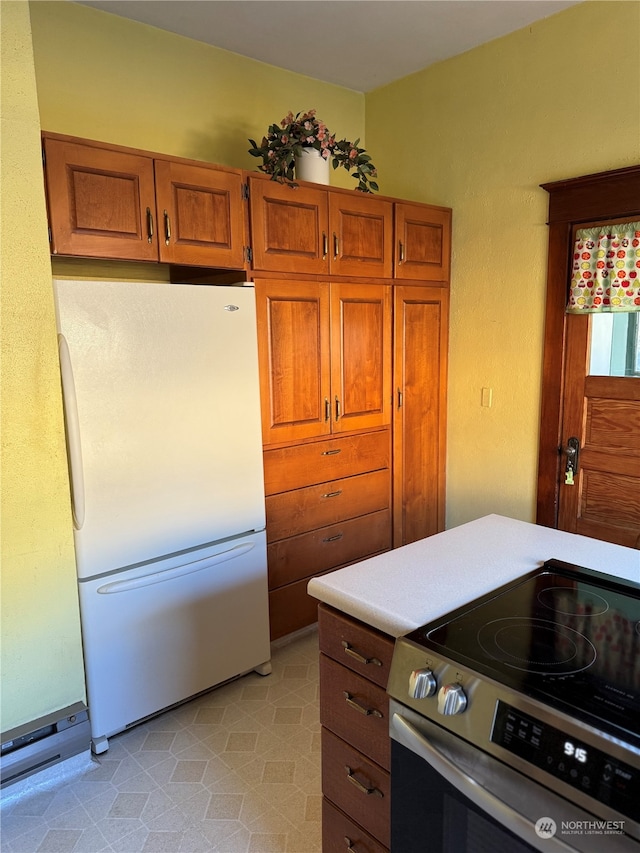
[[101, 202], [423, 242], [600, 490], [294, 356], [360, 356], [361, 235], [200, 215], [289, 227], [419, 420]]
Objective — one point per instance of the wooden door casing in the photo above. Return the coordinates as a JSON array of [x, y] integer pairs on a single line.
[[601, 197]]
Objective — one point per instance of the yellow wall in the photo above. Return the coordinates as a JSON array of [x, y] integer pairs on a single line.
[[479, 133], [41, 653], [103, 77]]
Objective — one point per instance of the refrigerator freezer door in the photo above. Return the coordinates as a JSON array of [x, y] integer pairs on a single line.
[[163, 424], [158, 634]]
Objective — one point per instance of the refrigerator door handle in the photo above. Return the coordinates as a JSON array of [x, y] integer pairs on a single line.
[[72, 426], [180, 571]]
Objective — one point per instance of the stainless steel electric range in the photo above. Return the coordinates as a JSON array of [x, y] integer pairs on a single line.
[[515, 720]]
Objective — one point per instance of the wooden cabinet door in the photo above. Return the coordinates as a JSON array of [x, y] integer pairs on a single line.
[[200, 215], [293, 351], [289, 227], [419, 421], [101, 202], [361, 235], [360, 356], [423, 242]]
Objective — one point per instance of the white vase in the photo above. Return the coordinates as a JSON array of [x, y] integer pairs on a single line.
[[311, 166]]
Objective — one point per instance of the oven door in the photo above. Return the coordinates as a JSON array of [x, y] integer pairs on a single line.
[[448, 796]]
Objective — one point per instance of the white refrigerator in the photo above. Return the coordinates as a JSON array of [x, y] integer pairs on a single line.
[[162, 417]]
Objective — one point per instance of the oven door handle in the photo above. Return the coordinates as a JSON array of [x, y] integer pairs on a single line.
[[408, 735]]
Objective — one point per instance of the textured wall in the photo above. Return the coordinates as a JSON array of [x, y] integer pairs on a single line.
[[479, 133], [41, 650]]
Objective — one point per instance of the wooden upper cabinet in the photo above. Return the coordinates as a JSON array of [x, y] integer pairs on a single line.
[[360, 356], [101, 202], [289, 227], [200, 215], [361, 235], [108, 202], [423, 242], [325, 358], [294, 357]]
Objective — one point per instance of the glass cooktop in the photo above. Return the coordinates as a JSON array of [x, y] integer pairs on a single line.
[[565, 635]]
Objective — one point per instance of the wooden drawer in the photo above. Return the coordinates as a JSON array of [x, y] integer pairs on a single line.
[[311, 553], [289, 468], [340, 834], [355, 645], [357, 786], [291, 608], [356, 709], [291, 513]]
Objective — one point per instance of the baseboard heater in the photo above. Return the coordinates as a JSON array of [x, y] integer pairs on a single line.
[[41, 743]]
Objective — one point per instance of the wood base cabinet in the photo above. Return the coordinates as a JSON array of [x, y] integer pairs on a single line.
[[354, 714], [328, 503]]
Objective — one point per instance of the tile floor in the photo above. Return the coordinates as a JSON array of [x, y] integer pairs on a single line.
[[236, 771]]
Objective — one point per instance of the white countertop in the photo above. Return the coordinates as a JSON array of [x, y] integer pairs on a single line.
[[405, 588]]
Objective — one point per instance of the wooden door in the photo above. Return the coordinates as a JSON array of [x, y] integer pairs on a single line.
[[360, 356], [423, 242], [361, 241], [289, 227], [419, 421], [294, 357], [101, 202], [200, 215], [602, 498]]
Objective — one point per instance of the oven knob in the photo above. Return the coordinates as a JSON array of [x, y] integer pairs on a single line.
[[422, 683], [451, 700]]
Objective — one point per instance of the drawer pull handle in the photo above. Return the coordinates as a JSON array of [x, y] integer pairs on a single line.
[[349, 843], [368, 712], [332, 494], [352, 653], [331, 452], [362, 788], [327, 411], [333, 538]]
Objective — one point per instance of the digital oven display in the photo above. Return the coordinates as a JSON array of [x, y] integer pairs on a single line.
[[602, 777]]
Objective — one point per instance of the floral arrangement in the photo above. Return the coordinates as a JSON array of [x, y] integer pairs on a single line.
[[284, 142]]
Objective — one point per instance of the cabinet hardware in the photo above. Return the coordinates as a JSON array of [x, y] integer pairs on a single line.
[[349, 843], [332, 494], [401, 251], [333, 538], [167, 228], [327, 409], [399, 398], [336, 246], [368, 712], [348, 650], [149, 226], [337, 408], [331, 452], [360, 786], [325, 245]]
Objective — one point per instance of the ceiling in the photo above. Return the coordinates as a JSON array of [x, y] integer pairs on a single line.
[[360, 44]]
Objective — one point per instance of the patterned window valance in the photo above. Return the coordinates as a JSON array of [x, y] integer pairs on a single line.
[[605, 275]]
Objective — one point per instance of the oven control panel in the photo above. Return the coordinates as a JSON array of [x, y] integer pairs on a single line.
[[577, 764]]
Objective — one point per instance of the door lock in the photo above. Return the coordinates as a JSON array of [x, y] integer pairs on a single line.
[[571, 468]]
